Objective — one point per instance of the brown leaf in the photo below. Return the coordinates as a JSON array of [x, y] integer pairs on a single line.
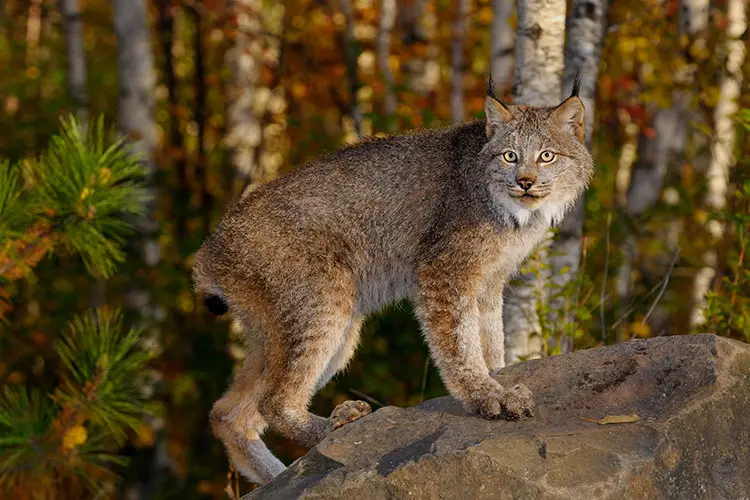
[[614, 419]]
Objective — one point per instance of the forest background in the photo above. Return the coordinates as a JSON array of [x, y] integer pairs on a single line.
[[216, 97]]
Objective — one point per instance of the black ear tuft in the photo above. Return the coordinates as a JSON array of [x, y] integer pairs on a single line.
[[491, 88], [216, 305], [576, 85]]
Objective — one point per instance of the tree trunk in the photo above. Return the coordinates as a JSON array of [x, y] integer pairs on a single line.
[[458, 111], [664, 152], [201, 109], [244, 131], [72, 24], [136, 76], [33, 32], [722, 149], [348, 46], [539, 67], [503, 45], [73, 27], [585, 34], [415, 68], [387, 20]]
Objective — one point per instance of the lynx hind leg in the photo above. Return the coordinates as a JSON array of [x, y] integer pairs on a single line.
[[298, 362], [344, 353], [236, 421], [348, 411]]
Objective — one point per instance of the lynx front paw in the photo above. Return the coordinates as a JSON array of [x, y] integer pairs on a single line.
[[347, 412], [513, 404]]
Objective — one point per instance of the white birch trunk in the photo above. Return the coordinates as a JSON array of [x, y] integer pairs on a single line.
[[421, 70], [503, 44], [73, 27], [539, 68], [722, 148], [136, 78], [244, 131], [585, 34], [348, 41], [458, 109], [387, 20]]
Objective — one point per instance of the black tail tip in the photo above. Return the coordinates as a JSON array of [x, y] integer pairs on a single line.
[[216, 305]]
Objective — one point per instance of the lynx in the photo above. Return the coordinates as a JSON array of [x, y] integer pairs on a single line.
[[442, 217]]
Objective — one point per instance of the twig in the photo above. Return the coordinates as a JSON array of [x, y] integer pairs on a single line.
[[665, 281], [424, 379], [740, 260], [366, 397], [634, 302], [604, 281]]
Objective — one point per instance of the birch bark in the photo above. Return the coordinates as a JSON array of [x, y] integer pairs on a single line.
[[136, 79], [585, 34], [387, 20], [723, 146], [664, 152], [244, 132], [457, 62], [348, 41], [73, 28], [503, 44], [539, 67]]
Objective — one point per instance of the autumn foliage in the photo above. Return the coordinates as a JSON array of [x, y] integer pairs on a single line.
[[108, 366]]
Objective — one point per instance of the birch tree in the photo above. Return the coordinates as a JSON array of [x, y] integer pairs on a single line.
[[387, 20], [457, 61], [664, 152], [244, 132], [503, 44], [722, 148], [539, 67], [585, 34], [73, 27], [348, 47], [422, 69], [136, 80]]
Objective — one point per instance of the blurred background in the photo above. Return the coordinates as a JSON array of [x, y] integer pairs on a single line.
[[220, 96]]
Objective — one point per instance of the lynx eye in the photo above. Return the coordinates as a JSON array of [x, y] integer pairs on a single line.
[[510, 157], [547, 156]]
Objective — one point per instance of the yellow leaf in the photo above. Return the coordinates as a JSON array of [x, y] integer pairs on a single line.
[[85, 193], [74, 437], [701, 216], [614, 419], [640, 329]]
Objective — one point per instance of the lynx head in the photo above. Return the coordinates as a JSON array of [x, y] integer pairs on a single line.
[[535, 158]]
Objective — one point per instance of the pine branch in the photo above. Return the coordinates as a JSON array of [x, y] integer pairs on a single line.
[[73, 435], [83, 192]]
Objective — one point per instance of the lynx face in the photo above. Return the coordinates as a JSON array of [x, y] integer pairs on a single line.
[[535, 160]]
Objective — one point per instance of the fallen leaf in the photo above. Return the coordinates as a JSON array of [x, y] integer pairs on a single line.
[[614, 419]]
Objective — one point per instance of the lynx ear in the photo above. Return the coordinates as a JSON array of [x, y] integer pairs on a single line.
[[495, 111], [569, 117]]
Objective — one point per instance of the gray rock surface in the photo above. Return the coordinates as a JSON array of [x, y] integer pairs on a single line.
[[692, 394]]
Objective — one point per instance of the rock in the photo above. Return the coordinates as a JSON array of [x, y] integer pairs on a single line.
[[692, 394]]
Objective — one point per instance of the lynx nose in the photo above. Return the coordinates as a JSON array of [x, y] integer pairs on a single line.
[[525, 182]]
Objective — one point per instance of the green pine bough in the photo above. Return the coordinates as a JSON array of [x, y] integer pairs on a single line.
[[82, 195]]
